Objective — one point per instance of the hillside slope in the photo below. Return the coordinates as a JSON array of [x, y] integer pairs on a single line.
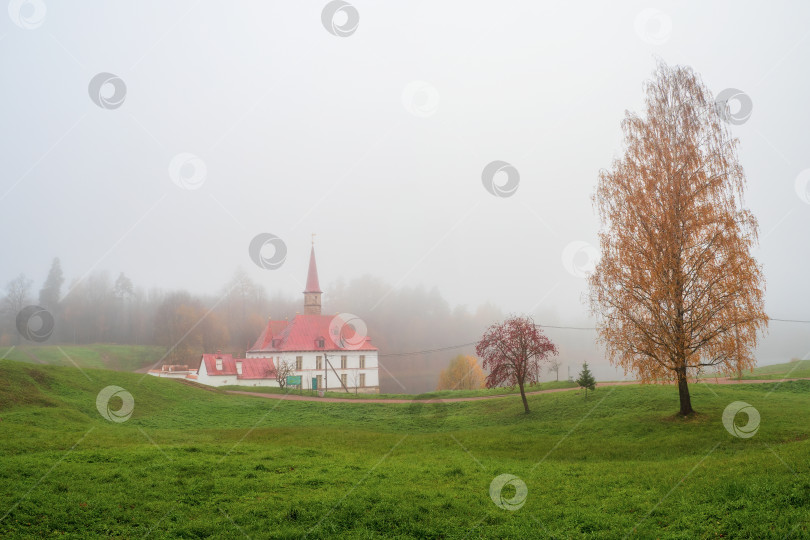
[[796, 369], [193, 462], [96, 355]]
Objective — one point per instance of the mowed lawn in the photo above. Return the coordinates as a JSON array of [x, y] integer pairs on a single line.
[[195, 463]]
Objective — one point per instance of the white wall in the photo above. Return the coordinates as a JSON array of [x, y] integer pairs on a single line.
[[221, 380], [308, 371], [352, 370], [170, 374]]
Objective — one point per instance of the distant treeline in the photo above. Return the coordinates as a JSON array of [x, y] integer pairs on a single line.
[[100, 309]]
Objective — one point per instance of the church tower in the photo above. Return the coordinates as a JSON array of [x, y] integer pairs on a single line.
[[312, 295]]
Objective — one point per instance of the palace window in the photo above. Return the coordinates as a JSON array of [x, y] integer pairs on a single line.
[[299, 362], [362, 379], [239, 368], [319, 343], [343, 361], [318, 363], [362, 360], [219, 364], [343, 380]]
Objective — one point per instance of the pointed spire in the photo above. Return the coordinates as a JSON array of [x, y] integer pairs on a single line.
[[312, 275], [312, 294]]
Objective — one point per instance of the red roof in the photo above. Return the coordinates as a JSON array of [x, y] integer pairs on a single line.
[[312, 274], [252, 368], [305, 332], [272, 330]]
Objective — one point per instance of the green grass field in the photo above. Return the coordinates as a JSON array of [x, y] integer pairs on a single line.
[[196, 463], [97, 355]]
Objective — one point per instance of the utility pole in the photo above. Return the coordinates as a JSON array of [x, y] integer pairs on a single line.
[[346, 388]]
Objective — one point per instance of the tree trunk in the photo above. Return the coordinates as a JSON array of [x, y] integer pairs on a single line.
[[523, 395], [683, 393]]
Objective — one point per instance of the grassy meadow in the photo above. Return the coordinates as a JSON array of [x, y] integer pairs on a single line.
[[197, 463], [96, 355]]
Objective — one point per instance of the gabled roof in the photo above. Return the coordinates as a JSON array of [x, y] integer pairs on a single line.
[[304, 333], [257, 368], [252, 368], [312, 274], [270, 332]]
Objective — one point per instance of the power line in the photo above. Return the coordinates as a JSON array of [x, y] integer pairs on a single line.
[[567, 327], [451, 347], [431, 350]]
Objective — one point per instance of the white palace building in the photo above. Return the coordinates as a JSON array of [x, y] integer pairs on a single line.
[[329, 352]]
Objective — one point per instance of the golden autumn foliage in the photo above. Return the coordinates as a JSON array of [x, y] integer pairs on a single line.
[[463, 373], [677, 289]]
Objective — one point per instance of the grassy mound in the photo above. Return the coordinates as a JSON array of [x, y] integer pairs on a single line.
[[795, 369], [97, 355]]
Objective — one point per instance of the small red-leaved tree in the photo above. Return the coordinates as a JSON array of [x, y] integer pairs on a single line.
[[513, 351]]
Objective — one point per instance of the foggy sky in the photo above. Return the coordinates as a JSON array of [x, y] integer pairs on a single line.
[[377, 141]]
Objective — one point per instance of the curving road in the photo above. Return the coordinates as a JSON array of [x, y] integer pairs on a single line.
[[294, 397]]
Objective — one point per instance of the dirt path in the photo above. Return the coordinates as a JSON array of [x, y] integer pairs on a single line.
[[294, 397]]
